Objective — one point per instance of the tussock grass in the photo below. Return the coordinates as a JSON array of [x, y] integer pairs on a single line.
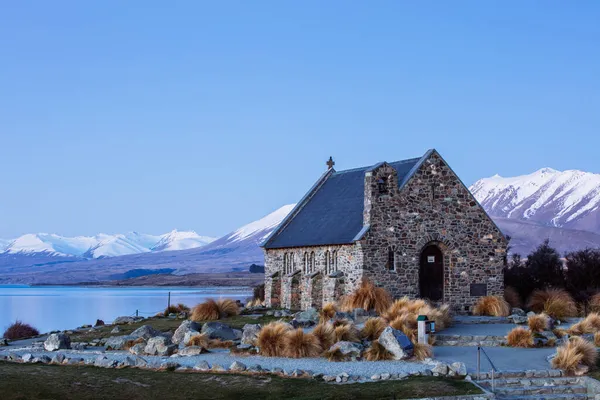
[[520, 337], [328, 312], [255, 302], [590, 324], [408, 311], [368, 297], [492, 306], [325, 334], [373, 328], [512, 297], [576, 352], [557, 303], [20, 330], [335, 355], [298, 344], [212, 310], [422, 351], [200, 340], [220, 344], [270, 339], [376, 352], [404, 325], [130, 343], [347, 333], [538, 322], [176, 309]]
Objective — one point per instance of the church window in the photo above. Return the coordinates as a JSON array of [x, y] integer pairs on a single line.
[[292, 263], [382, 185], [285, 256], [312, 262], [306, 267], [327, 262], [390, 264], [335, 261]]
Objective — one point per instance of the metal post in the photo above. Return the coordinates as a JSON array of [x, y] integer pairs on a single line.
[[137, 313], [493, 389], [169, 304], [478, 362]]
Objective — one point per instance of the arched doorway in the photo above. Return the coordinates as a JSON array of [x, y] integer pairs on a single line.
[[316, 292], [431, 273], [275, 290], [296, 293]]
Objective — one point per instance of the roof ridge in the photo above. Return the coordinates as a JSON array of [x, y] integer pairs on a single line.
[[377, 163]]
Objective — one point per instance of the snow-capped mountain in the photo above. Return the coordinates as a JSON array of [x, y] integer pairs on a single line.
[[101, 245], [568, 199]]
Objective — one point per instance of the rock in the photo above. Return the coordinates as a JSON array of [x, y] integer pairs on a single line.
[[459, 368], [396, 343], [517, 319], [343, 315], [270, 312], [440, 369], [329, 378], [375, 377], [249, 333], [237, 366], [385, 376], [530, 314], [118, 342], [146, 332], [186, 326], [75, 361], [57, 341], [78, 346], [279, 371], [518, 311], [58, 359], [217, 330], [27, 357], [99, 322], [138, 349], [124, 320], [307, 318], [202, 366], [127, 362], [42, 359], [169, 365], [238, 334], [548, 335], [190, 351], [116, 329], [218, 368], [255, 368], [159, 346], [349, 349], [105, 362], [188, 337], [140, 362], [588, 336]]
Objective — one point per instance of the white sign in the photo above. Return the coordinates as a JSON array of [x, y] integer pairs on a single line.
[[430, 259]]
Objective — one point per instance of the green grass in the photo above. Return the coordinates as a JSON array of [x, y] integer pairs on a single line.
[[27, 381]]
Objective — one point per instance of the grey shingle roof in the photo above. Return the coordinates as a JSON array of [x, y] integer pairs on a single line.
[[333, 214]]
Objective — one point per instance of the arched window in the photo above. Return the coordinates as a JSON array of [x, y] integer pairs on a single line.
[[292, 263], [335, 261], [327, 262], [312, 262], [390, 264], [382, 185], [285, 257], [306, 267]]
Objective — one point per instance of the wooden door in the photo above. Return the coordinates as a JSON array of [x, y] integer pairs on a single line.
[[431, 273]]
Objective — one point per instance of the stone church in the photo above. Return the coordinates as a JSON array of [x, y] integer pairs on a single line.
[[409, 226]]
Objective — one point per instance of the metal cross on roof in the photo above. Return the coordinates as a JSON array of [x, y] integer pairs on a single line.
[[330, 163]]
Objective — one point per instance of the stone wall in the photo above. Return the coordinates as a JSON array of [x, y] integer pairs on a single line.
[[332, 284], [433, 207]]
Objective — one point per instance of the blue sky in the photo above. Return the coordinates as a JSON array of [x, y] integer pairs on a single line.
[[153, 115]]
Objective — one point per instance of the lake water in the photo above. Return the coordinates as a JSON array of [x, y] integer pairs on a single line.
[[49, 308]]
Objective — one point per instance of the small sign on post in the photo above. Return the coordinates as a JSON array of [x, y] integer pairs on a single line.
[[424, 328]]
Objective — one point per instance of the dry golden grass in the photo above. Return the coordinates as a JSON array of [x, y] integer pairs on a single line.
[[130, 343], [270, 339], [255, 302], [176, 309], [298, 344], [341, 322], [590, 324], [325, 333], [512, 297], [397, 308], [200, 340], [520, 337], [373, 328], [597, 339], [594, 303], [408, 310], [220, 344], [212, 310], [573, 353], [347, 333], [368, 297], [328, 312], [538, 322], [560, 332], [335, 355], [404, 325], [493, 306], [376, 352], [557, 303], [422, 351]]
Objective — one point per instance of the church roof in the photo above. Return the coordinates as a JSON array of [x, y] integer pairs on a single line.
[[332, 211]]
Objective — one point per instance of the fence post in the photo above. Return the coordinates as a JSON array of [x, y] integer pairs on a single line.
[[478, 362], [169, 304]]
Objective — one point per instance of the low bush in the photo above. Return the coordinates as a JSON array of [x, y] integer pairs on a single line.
[[408, 310], [512, 297], [493, 306], [422, 351], [325, 333], [328, 312], [298, 344], [575, 353], [200, 340], [20, 330], [590, 324], [538, 322], [373, 328], [520, 337], [376, 352], [557, 303], [176, 309], [368, 297], [212, 310], [347, 333], [270, 339]]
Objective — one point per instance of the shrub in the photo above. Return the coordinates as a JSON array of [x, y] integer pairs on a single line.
[[520, 337], [325, 333], [400, 323], [409, 310], [422, 351], [347, 333], [545, 267], [376, 352], [512, 297], [328, 312], [219, 344], [270, 339], [538, 322], [20, 330], [373, 328], [176, 309], [557, 303], [298, 344], [590, 324], [368, 297], [574, 353], [493, 306], [335, 355], [583, 274], [200, 340], [212, 310]]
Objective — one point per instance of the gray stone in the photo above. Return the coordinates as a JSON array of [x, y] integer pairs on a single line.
[[307, 318], [75, 361], [43, 359], [255, 368], [28, 357], [160, 346], [349, 349], [238, 334], [375, 377], [145, 332], [218, 330], [440, 369], [116, 329], [118, 342], [396, 343], [277, 371], [249, 333], [127, 362], [517, 319], [185, 327], [518, 311], [385, 376], [530, 314], [140, 362], [169, 365], [202, 366], [459, 368], [57, 341], [191, 351], [188, 337], [329, 378], [78, 346], [218, 368], [138, 349], [105, 362], [58, 359], [237, 366], [124, 320]]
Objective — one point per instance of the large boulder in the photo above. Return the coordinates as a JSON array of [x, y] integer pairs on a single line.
[[57, 341], [350, 350], [160, 346], [249, 334], [396, 343], [118, 342], [217, 330], [186, 326], [124, 320], [138, 349], [146, 332]]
